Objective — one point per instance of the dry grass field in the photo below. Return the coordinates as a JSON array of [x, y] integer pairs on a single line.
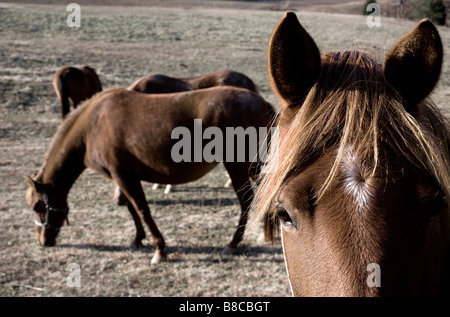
[[197, 220]]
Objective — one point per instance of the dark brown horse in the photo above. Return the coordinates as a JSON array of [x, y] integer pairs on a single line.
[[157, 83], [362, 173], [129, 136], [75, 84]]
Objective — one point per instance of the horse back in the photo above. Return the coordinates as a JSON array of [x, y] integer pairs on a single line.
[[223, 78], [160, 84], [137, 128], [216, 106], [227, 106]]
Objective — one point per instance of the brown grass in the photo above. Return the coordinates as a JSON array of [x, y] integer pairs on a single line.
[[198, 219]]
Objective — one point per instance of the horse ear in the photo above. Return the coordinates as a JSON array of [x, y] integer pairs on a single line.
[[294, 60], [38, 187], [413, 65]]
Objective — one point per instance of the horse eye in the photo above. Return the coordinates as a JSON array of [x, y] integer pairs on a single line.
[[284, 217]]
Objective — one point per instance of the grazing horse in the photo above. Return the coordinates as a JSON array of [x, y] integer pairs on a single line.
[[158, 84], [127, 136], [361, 177], [76, 84]]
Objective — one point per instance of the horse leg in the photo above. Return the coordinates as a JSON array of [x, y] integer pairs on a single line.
[[228, 183], [168, 189], [133, 191], [241, 184], [140, 232], [155, 186], [119, 197], [65, 106]]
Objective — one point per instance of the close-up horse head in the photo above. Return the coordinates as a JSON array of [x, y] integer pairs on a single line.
[[361, 177]]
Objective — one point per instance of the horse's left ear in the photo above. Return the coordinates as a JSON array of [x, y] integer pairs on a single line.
[[38, 187], [294, 60], [413, 65]]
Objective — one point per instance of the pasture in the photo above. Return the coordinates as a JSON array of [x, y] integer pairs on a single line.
[[197, 219]]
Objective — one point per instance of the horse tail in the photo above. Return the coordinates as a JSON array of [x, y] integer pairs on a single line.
[[62, 91]]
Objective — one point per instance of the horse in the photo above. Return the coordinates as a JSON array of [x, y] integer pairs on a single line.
[[76, 84], [360, 176], [127, 137], [158, 84]]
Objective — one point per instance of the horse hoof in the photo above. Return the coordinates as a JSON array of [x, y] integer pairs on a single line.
[[230, 250], [121, 201], [136, 244], [158, 258]]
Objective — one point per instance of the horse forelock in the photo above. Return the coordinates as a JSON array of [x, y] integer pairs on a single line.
[[353, 107]]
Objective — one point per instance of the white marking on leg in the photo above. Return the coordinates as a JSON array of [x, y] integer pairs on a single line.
[[168, 189]]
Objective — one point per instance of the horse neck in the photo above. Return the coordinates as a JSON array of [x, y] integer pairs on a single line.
[[64, 162]]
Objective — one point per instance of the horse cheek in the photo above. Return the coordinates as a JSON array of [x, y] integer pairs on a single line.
[[292, 261]]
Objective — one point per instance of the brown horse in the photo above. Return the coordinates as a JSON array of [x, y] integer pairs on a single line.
[[158, 84], [127, 136], [76, 84], [362, 173]]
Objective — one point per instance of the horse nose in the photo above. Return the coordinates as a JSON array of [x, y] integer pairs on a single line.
[[49, 243], [45, 242]]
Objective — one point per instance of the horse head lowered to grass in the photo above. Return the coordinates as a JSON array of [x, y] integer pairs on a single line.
[[361, 177], [128, 137]]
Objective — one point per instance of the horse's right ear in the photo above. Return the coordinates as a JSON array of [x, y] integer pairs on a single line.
[[294, 60], [413, 65]]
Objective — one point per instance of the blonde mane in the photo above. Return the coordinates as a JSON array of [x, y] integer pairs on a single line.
[[352, 105]]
